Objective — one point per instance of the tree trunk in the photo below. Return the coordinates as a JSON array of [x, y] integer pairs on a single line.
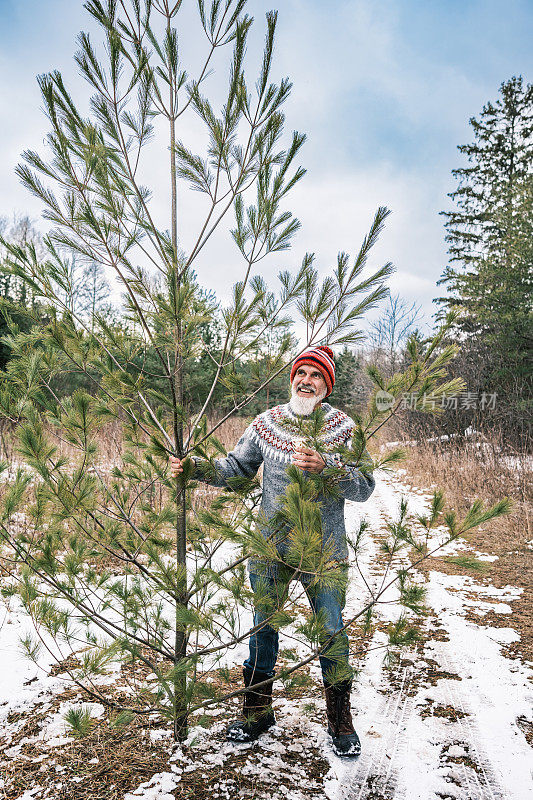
[[180, 634]]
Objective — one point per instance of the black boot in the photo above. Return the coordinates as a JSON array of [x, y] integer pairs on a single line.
[[346, 742], [256, 709]]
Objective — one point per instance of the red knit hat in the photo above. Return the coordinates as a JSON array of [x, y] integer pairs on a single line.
[[322, 359]]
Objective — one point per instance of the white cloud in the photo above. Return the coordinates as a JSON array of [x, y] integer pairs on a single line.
[[347, 59]]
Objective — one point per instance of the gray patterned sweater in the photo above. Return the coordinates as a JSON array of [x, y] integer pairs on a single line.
[[269, 440]]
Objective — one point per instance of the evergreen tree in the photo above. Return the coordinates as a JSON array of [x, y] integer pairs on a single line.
[[101, 212], [490, 235], [118, 558], [347, 390], [270, 352], [72, 292], [14, 295]]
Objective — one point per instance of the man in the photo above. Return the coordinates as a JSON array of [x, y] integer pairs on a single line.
[[272, 439]]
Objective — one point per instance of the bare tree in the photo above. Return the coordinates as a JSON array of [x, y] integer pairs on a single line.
[[94, 291], [391, 331]]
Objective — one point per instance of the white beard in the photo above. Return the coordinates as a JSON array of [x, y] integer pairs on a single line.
[[305, 405]]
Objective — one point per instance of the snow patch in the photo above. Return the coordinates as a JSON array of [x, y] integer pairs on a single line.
[[160, 787]]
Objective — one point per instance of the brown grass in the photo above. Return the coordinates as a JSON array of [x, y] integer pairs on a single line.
[[231, 430], [110, 440], [466, 470]]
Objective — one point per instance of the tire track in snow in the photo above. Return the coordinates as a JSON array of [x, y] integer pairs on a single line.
[[375, 772], [376, 768], [479, 786]]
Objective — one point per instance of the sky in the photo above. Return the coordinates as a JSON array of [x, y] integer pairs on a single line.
[[383, 90]]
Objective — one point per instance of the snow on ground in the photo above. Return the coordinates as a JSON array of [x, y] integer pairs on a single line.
[[17, 673], [160, 787], [439, 724], [447, 726]]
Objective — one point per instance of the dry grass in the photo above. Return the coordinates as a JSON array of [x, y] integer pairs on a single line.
[[466, 470], [475, 469], [231, 430]]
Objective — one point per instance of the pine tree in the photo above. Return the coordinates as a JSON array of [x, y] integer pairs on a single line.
[[101, 212], [14, 294], [347, 391], [119, 558], [490, 233]]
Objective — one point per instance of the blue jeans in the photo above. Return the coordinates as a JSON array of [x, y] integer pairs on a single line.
[[328, 603]]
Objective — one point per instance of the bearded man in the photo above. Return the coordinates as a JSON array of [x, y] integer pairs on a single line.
[[272, 440]]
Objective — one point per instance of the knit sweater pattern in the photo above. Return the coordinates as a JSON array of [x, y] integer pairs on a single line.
[[269, 440]]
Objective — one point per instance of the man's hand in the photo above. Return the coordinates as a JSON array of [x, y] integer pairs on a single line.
[[176, 466], [308, 459]]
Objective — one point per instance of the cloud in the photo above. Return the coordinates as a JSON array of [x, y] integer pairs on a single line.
[[384, 93], [336, 212]]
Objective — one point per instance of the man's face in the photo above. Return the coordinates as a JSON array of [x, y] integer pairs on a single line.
[[309, 387]]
